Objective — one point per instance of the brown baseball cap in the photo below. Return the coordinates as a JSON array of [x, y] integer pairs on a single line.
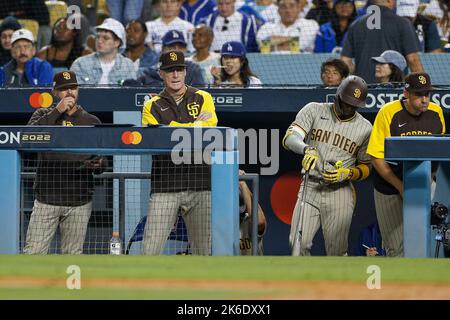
[[64, 79], [418, 82], [172, 59]]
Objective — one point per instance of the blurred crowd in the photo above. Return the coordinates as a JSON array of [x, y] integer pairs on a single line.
[[120, 41]]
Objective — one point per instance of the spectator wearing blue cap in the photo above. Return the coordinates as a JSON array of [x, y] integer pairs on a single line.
[[173, 40], [390, 67], [331, 34], [234, 70]]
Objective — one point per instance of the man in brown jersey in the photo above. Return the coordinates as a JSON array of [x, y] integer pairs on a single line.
[[64, 185]]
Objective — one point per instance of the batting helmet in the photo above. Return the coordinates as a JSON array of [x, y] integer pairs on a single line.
[[353, 91]]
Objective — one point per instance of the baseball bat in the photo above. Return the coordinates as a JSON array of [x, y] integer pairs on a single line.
[[298, 233]]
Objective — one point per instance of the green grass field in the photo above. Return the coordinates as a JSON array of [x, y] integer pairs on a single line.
[[188, 277]]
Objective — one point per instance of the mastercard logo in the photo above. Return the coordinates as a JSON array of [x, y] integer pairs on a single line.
[[41, 100], [131, 137]]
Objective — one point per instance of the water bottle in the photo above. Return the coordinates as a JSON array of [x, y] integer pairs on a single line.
[[115, 245]]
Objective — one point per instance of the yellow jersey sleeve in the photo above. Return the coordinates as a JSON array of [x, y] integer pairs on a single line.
[[147, 116], [381, 130], [438, 109]]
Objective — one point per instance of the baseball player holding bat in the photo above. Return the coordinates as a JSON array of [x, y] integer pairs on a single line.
[[333, 138]]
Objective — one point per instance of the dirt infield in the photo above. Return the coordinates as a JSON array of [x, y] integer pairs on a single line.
[[259, 290]]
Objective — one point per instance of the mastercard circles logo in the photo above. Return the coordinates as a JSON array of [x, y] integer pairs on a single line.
[[41, 100], [131, 137]]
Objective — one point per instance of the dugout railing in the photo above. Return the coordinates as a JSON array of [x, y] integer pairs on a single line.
[[108, 141], [105, 178], [417, 153]]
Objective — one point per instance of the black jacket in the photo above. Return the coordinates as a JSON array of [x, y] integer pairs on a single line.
[[63, 179]]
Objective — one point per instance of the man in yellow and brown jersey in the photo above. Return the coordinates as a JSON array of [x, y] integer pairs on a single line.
[[333, 138], [412, 115], [178, 186]]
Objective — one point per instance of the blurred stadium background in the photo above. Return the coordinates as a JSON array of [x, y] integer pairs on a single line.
[[289, 71]]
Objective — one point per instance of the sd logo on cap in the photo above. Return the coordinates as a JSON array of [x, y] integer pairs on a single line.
[[172, 59], [64, 79]]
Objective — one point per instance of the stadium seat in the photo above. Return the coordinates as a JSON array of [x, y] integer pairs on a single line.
[[31, 25], [288, 69], [304, 69], [56, 9], [436, 64]]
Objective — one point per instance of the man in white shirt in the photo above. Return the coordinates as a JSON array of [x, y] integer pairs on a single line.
[[169, 20], [290, 34], [231, 25]]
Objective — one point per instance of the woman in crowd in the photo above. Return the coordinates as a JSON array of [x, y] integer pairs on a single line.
[[390, 67], [234, 69], [65, 46]]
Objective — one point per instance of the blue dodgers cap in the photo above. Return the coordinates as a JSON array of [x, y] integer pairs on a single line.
[[173, 36], [391, 56], [233, 48]]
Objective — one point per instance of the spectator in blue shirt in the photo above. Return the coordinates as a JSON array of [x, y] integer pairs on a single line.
[[173, 40], [196, 11], [24, 69], [370, 243], [230, 25]]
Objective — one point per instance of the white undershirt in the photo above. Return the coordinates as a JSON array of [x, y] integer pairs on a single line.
[[136, 63], [106, 68]]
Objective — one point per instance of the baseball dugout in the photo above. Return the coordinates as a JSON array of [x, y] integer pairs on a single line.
[[118, 190]]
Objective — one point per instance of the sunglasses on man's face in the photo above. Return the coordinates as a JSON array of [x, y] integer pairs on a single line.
[[225, 24]]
